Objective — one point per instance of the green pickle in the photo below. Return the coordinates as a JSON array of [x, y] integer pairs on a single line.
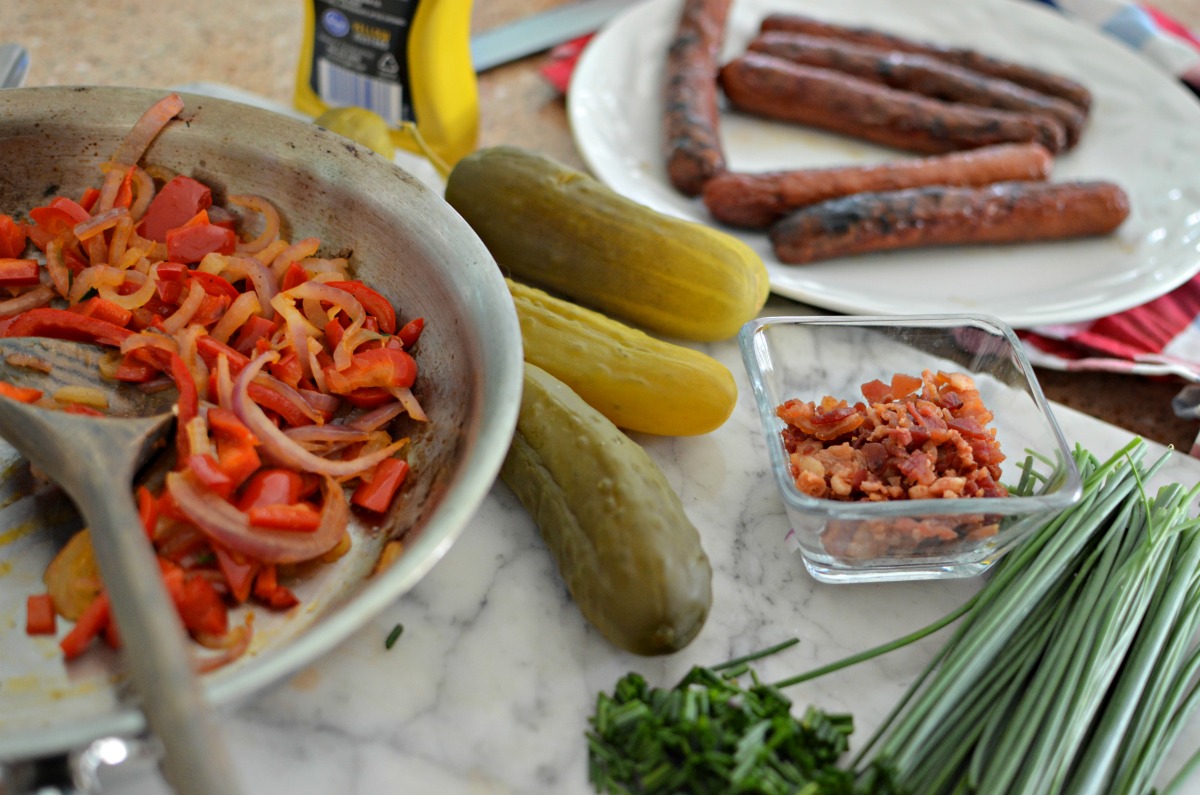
[[563, 231], [630, 557]]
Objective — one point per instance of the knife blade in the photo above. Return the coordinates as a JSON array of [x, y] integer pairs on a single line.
[[14, 65], [541, 31]]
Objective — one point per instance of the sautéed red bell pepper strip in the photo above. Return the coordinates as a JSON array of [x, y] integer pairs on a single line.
[[187, 293]]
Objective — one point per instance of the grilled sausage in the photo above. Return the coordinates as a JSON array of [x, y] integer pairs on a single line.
[[775, 88], [921, 74], [1007, 212], [1039, 80], [691, 126], [757, 200]]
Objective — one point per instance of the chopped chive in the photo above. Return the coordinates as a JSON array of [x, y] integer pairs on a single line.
[[393, 636]]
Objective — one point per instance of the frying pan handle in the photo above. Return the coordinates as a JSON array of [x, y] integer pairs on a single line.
[[77, 772], [52, 775]]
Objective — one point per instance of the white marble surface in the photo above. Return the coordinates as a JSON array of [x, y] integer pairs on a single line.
[[491, 684]]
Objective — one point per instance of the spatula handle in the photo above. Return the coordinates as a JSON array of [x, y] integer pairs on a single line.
[[155, 651]]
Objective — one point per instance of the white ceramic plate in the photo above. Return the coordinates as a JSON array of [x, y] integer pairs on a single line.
[[1144, 134]]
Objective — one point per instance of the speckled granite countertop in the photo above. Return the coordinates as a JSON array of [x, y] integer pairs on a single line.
[[253, 46]]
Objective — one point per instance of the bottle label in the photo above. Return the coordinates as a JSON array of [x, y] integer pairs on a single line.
[[360, 55]]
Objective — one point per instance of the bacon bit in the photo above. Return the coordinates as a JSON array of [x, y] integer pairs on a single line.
[[876, 391], [931, 442], [904, 385]]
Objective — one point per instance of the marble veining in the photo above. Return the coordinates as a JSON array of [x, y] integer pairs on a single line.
[[490, 686]]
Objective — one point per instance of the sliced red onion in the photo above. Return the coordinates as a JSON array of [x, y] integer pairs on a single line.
[[276, 443], [145, 130], [292, 395], [187, 309], [224, 384], [149, 339], [224, 523], [92, 277], [129, 300], [232, 645], [187, 340], [343, 434], [31, 299], [118, 242], [270, 217], [410, 402], [377, 418], [320, 401], [196, 431], [56, 267], [99, 222], [265, 284], [294, 253], [299, 330], [142, 193], [317, 293], [242, 309]]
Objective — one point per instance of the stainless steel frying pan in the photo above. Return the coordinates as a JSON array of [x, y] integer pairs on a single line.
[[402, 239]]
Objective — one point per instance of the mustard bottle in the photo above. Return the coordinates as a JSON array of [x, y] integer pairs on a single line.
[[409, 61]]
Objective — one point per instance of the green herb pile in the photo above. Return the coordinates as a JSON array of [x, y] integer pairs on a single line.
[[1073, 670], [709, 734]]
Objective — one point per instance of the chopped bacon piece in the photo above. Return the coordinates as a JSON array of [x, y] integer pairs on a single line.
[[914, 438]]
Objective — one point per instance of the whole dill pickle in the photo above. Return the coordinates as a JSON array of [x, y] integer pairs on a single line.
[[629, 555], [564, 231], [640, 382]]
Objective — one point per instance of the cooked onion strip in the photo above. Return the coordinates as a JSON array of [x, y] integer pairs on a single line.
[[41, 295], [92, 278], [260, 276], [270, 219], [339, 299], [149, 339], [277, 444], [321, 402], [292, 395], [232, 646], [377, 418], [145, 130], [120, 240], [242, 308], [143, 192], [82, 395], [223, 522], [56, 267], [327, 434], [294, 253], [133, 300], [187, 309]]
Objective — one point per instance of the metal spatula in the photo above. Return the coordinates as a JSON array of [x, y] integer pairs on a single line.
[[94, 461]]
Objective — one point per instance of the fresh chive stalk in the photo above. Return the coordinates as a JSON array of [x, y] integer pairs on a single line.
[[1072, 671], [1075, 666]]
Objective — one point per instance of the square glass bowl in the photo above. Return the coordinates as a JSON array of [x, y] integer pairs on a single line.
[[810, 358]]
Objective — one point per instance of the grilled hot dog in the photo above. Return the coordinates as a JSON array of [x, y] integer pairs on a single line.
[[1007, 212], [691, 126], [757, 200], [773, 87], [1039, 80], [919, 73]]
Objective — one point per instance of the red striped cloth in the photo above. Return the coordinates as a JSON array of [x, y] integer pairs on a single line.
[[1159, 337]]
